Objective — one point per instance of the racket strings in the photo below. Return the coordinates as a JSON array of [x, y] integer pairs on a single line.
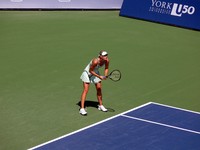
[[116, 75]]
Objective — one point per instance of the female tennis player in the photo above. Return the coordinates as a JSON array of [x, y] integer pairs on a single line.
[[91, 75]]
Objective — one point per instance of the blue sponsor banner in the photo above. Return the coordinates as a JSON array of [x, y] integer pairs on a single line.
[[183, 13]]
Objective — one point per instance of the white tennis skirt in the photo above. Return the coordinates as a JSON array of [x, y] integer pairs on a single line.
[[89, 78]]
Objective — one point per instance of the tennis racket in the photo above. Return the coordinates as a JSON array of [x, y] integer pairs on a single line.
[[115, 75]]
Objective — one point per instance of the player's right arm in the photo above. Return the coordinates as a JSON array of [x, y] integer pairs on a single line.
[[92, 67]]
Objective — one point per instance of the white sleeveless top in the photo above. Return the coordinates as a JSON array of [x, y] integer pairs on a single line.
[[87, 77]]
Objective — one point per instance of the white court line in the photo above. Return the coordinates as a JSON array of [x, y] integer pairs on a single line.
[[89, 126], [161, 124], [177, 108], [121, 114], [195, 112]]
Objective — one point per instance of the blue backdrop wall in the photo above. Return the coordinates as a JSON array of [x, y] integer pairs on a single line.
[[184, 13]]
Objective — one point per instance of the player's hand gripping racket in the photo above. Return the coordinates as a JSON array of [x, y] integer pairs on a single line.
[[115, 75]]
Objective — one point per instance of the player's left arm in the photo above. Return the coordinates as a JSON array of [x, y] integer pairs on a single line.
[[106, 68]]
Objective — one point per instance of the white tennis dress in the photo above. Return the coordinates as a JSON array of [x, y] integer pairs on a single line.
[[87, 77]]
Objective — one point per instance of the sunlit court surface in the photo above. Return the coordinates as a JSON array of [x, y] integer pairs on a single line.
[[150, 126], [42, 56]]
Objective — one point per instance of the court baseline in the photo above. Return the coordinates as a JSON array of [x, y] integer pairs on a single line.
[[135, 126]]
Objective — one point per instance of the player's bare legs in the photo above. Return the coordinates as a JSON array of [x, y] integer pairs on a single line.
[[99, 97], [99, 93], [84, 93], [83, 97]]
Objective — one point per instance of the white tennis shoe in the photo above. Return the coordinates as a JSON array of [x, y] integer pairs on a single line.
[[102, 108], [83, 112]]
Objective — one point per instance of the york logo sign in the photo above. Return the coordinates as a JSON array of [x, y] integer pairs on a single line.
[[173, 9], [179, 9]]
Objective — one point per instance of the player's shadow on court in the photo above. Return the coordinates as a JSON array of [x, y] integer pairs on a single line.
[[89, 103]]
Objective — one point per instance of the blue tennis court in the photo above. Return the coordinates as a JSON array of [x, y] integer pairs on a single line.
[[151, 126]]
